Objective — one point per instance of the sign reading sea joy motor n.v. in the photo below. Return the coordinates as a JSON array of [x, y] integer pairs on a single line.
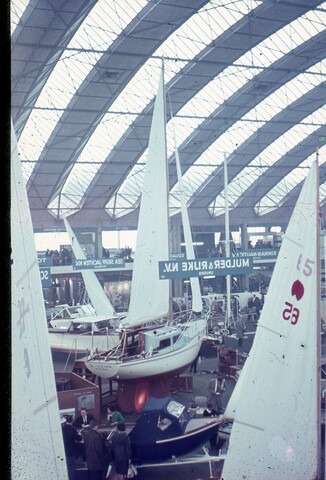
[[97, 263], [205, 266]]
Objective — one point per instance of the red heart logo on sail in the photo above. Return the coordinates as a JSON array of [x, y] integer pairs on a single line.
[[297, 289]]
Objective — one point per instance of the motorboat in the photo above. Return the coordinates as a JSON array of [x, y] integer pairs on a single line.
[[154, 346], [165, 429], [78, 329]]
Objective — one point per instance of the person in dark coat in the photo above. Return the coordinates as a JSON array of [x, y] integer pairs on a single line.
[[210, 411], [83, 419], [95, 454], [70, 437], [121, 450]]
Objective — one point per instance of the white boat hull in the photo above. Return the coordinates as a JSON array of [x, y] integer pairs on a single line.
[[159, 364], [80, 343]]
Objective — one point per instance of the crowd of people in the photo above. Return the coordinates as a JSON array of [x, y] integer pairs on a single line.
[[106, 456], [64, 257]]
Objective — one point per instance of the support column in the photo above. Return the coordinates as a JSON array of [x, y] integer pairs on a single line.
[[244, 279], [175, 241], [99, 244]]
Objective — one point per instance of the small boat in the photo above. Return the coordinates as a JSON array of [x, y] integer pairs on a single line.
[[165, 429], [37, 449], [77, 329], [275, 405], [152, 344]]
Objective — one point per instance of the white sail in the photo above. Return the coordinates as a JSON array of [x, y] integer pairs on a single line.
[[98, 297], [197, 304], [37, 450], [275, 429], [152, 243]]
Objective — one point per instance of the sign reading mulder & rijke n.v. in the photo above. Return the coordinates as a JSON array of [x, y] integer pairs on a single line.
[[205, 266]]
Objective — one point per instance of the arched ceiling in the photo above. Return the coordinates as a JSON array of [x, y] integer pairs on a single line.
[[245, 83]]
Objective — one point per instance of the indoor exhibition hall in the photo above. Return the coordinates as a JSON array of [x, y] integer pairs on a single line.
[[168, 239]]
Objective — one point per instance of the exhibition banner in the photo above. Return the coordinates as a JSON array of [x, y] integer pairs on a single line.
[[205, 266], [46, 280], [264, 254], [97, 263]]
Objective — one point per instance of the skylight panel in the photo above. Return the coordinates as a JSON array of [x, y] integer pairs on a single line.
[[268, 157], [258, 116], [192, 37], [276, 197], [100, 28]]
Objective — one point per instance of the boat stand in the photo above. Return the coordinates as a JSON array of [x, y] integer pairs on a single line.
[[190, 460]]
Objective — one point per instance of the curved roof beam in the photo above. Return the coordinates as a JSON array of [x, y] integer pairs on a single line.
[[244, 180], [45, 24], [100, 29], [190, 39], [278, 195], [203, 172]]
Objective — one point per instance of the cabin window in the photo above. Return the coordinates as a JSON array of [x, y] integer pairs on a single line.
[[164, 343], [103, 324], [163, 423], [81, 327], [175, 338]]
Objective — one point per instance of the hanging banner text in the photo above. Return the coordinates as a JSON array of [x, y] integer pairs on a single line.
[[205, 266]]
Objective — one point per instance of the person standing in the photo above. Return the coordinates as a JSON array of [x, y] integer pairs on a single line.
[[70, 437], [121, 450], [216, 388], [94, 448], [239, 330], [257, 304], [211, 412]]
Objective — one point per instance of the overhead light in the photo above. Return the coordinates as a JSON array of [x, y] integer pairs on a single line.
[[208, 276]]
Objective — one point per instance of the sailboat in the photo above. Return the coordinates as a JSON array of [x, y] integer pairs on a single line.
[[275, 405], [78, 328], [152, 345], [37, 449]]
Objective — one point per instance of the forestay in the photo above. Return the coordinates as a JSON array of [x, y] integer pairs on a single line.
[[37, 450], [275, 403]]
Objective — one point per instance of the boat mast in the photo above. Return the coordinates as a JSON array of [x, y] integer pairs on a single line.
[[170, 315], [318, 319], [227, 244]]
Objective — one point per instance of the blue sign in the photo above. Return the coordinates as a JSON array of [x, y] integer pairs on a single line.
[[205, 266], [46, 280], [44, 261], [98, 263]]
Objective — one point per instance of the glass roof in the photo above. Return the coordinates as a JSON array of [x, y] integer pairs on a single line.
[[278, 195], [214, 94], [100, 28], [267, 158], [185, 43]]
